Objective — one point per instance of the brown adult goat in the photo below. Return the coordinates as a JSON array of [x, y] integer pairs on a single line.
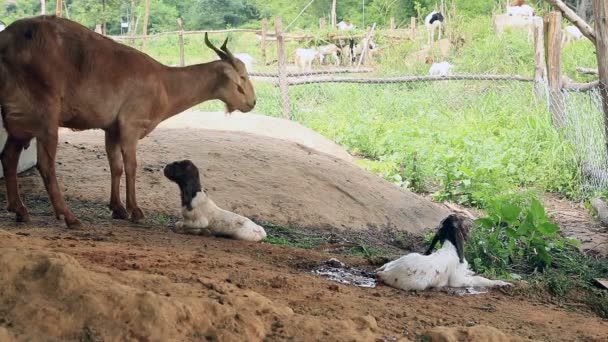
[[57, 73]]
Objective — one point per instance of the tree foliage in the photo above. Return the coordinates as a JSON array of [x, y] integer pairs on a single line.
[[213, 14]]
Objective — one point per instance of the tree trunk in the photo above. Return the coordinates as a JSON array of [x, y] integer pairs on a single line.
[[584, 9], [104, 27], [43, 7], [145, 28], [333, 14], [59, 8], [132, 19], [600, 10]]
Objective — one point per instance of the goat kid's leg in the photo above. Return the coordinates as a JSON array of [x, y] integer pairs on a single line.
[[469, 280], [116, 170], [10, 161], [129, 156], [47, 150]]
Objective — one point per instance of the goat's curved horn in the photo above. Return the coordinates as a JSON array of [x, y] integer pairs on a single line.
[[219, 52], [225, 49]]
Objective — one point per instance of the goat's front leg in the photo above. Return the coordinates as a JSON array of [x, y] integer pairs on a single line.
[[475, 281], [47, 150], [10, 161], [129, 156], [116, 169]]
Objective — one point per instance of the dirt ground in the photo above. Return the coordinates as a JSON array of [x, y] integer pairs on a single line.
[[114, 280]]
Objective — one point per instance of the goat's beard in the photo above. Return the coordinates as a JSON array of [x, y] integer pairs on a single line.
[[229, 110]]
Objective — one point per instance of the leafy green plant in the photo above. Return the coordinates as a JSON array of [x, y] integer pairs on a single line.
[[515, 236]]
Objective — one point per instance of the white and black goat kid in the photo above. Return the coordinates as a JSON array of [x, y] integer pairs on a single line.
[[201, 216], [433, 21], [447, 267]]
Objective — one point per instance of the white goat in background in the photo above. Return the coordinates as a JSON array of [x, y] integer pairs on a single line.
[[247, 59], [305, 57], [572, 33], [445, 268], [439, 69], [523, 10], [345, 26], [329, 50]]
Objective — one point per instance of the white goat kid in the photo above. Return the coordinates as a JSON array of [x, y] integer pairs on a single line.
[[572, 33], [439, 69], [329, 50], [201, 216], [247, 59], [345, 26], [523, 10], [433, 21], [357, 50], [445, 268], [305, 57]]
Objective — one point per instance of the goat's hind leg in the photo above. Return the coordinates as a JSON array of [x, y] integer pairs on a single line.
[[129, 156], [10, 161], [47, 150], [116, 170]]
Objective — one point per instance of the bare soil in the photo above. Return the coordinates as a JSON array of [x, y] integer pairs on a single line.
[[114, 280]]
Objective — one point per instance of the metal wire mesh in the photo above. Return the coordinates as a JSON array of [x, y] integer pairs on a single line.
[[344, 95]]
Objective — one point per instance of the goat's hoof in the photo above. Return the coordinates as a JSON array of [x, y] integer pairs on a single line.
[[73, 223], [120, 214], [22, 217], [137, 215]]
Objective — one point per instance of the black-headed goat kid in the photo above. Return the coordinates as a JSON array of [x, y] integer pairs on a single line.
[[447, 267], [201, 216]]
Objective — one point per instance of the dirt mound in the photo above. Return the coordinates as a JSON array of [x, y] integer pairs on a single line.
[[51, 295], [480, 333], [262, 178], [258, 124]]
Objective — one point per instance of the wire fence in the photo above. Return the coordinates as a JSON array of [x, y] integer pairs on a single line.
[[584, 127], [347, 96]]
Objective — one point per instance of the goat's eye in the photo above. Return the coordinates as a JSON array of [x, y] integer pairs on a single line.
[[240, 89]]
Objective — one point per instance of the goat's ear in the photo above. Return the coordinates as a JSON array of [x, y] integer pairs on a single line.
[[232, 75]]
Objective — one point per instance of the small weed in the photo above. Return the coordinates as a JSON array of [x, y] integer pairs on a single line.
[[162, 219], [281, 241], [365, 251]]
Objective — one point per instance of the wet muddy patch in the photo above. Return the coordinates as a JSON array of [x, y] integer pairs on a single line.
[[335, 270]]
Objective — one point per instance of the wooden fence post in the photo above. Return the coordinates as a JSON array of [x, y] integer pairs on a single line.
[[392, 27], [283, 82], [413, 27], [180, 37], [58, 8], [263, 43], [540, 71], [600, 11], [553, 39], [365, 52], [322, 24]]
